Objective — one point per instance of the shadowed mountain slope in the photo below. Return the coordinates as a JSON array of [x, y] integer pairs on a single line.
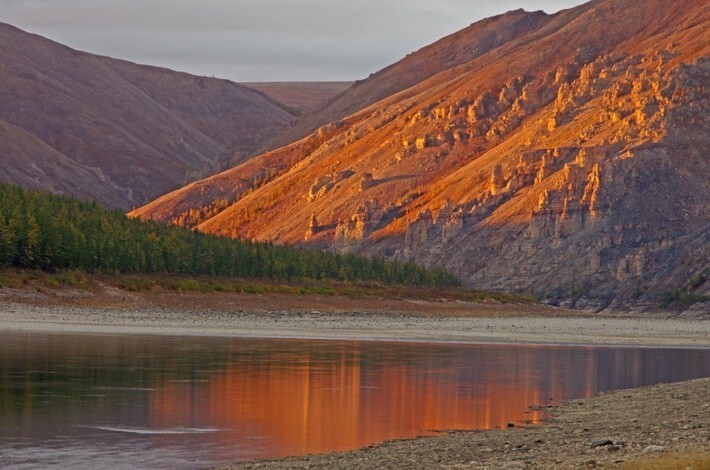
[[302, 97], [121, 133], [569, 161]]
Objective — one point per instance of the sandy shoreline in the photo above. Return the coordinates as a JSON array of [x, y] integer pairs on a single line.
[[559, 329]]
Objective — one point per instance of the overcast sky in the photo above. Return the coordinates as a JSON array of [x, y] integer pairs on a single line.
[[258, 40]]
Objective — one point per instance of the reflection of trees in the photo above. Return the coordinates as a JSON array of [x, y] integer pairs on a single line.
[[64, 369]]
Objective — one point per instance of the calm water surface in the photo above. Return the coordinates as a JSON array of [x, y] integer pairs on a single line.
[[127, 402]]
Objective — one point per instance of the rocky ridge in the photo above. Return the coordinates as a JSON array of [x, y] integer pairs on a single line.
[[568, 162]]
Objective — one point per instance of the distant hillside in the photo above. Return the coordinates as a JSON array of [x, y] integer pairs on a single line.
[[302, 97], [113, 131], [565, 156]]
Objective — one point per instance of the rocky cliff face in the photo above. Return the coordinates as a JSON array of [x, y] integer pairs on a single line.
[[569, 162], [607, 219]]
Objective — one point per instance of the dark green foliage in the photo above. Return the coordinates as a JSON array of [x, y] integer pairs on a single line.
[[685, 297], [682, 299], [49, 232], [697, 281]]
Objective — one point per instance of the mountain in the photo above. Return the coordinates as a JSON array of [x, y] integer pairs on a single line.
[[302, 97], [113, 131], [568, 161], [456, 49]]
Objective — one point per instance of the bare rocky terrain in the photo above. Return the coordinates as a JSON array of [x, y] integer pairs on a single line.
[[558, 155], [664, 426], [114, 131]]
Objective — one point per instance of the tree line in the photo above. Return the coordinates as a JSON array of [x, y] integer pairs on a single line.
[[51, 232]]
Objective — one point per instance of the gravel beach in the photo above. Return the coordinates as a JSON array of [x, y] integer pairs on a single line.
[[481, 324], [610, 430]]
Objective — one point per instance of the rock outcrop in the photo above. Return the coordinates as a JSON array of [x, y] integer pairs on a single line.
[[361, 224]]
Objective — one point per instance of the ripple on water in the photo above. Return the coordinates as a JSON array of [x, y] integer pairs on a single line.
[[157, 432], [126, 389]]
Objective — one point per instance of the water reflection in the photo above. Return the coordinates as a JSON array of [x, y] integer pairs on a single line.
[[199, 402]]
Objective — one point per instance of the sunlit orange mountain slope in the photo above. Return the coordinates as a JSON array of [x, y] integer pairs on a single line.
[[566, 157], [456, 49], [113, 131]]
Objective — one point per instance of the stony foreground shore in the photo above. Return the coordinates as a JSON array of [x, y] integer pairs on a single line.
[[664, 426]]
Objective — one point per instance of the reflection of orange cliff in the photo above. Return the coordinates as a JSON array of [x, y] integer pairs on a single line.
[[301, 406]]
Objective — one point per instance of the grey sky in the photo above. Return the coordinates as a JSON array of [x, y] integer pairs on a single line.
[[258, 40]]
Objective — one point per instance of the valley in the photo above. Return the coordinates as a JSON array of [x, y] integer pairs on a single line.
[[493, 252]]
